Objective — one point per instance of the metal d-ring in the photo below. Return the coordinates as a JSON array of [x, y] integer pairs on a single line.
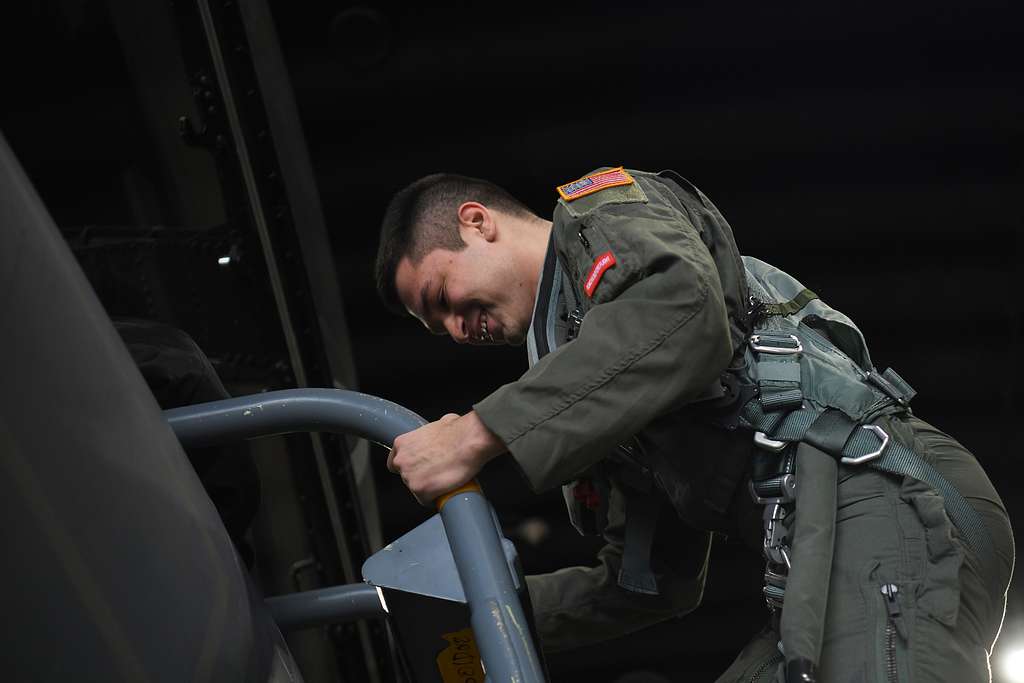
[[762, 441], [868, 457]]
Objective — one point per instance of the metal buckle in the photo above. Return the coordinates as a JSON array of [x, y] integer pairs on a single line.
[[755, 343], [776, 535], [774, 588], [762, 441], [868, 457]]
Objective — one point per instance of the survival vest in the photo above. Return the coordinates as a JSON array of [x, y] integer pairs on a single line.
[[801, 388], [801, 372]]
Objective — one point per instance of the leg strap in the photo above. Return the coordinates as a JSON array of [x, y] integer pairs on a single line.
[[802, 627], [642, 508], [830, 432]]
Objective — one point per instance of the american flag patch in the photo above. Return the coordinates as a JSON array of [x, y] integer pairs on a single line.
[[594, 182]]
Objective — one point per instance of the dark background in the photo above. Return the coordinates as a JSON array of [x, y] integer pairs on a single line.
[[874, 151]]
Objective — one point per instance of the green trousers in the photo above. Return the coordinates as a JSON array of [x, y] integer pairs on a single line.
[[943, 618]]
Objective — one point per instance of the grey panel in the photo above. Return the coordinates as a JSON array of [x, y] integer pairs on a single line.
[[419, 562], [117, 566]]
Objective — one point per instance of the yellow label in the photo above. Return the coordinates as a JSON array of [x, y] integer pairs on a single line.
[[460, 661]]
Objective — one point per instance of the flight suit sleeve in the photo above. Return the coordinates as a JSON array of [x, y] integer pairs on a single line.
[[578, 606], [656, 337]]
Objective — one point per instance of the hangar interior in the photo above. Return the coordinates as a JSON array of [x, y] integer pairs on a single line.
[[221, 167]]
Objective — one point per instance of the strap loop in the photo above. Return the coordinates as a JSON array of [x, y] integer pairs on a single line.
[[792, 306], [830, 432], [778, 370]]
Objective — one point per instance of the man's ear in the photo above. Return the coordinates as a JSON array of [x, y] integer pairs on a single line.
[[476, 218]]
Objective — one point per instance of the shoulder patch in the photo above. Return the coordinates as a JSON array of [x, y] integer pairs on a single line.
[[595, 182]]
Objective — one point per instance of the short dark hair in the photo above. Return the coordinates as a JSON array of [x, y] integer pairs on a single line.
[[421, 217]]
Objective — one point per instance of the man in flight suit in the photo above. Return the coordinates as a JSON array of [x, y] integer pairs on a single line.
[[639, 316]]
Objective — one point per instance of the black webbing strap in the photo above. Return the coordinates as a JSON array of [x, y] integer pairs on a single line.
[[830, 432], [641, 519], [899, 459]]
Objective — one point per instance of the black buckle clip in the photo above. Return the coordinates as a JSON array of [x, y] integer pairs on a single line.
[[893, 386]]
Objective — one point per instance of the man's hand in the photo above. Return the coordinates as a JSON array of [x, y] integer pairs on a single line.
[[443, 455]]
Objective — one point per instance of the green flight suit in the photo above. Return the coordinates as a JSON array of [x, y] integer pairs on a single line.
[[661, 326]]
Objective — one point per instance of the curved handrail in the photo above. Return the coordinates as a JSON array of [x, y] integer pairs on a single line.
[[496, 613], [292, 410]]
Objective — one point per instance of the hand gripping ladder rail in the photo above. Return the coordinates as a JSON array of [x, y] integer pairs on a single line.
[[426, 581]]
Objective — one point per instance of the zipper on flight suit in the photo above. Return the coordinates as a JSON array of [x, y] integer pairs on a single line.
[[575, 320], [584, 241], [772, 662], [893, 626]]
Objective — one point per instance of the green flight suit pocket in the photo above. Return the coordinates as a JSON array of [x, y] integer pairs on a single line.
[[938, 595]]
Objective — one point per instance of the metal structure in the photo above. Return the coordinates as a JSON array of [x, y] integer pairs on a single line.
[[213, 72], [468, 563], [116, 535]]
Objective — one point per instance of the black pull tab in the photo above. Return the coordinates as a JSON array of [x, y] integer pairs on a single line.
[[801, 671]]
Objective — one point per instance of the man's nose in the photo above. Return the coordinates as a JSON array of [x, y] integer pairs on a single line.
[[456, 326]]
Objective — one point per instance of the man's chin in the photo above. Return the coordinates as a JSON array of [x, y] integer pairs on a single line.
[[514, 338]]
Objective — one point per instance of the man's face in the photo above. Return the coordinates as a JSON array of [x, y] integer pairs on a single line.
[[479, 295]]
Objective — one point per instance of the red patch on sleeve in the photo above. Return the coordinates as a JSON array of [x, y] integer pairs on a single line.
[[603, 263]]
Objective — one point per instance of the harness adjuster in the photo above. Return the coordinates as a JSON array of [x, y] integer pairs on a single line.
[[781, 489], [774, 588], [776, 344]]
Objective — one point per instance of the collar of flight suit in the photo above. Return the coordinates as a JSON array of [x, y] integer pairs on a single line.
[[542, 338]]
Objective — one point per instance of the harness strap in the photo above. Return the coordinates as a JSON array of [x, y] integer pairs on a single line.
[[895, 458], [899, 459], [802, 627], [642, 508]]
